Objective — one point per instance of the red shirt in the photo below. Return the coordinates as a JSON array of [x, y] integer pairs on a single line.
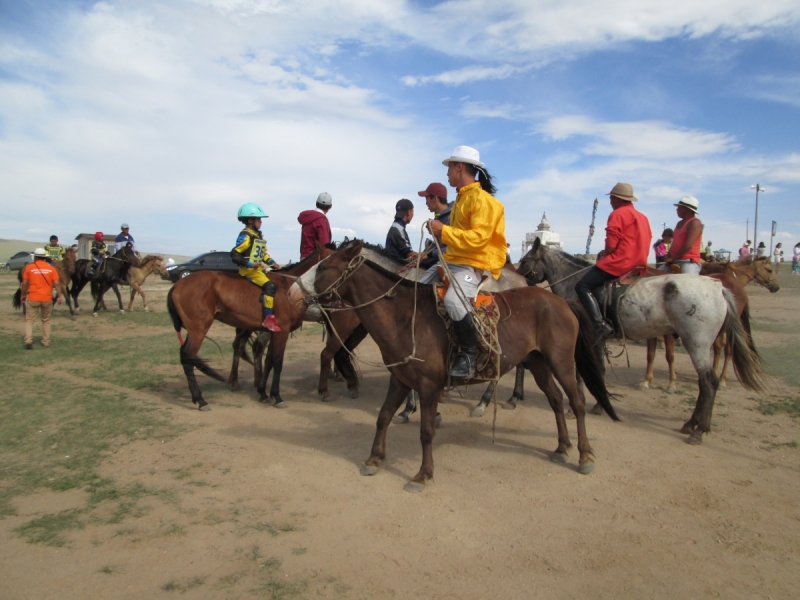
[[693, 253], [628, 232], [40, 276], [315, 229]]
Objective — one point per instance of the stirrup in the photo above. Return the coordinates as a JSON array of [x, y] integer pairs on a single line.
[[463, 366]]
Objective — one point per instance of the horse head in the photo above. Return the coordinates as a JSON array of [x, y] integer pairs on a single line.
[[764, 275], [532, 266], [70, 257], [334, 270]]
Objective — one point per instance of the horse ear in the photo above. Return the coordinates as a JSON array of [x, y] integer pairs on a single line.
[[353, 250], [536, 243]]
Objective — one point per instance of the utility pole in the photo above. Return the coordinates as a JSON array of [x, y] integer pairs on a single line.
[[591, 226], [757, 187], [747, 234]]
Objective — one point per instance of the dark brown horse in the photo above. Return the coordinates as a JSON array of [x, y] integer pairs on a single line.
[[536, 327]]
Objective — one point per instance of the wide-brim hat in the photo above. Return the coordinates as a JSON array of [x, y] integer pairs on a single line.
[[464, 154], [623, 191], [40, 252], [690, 202]]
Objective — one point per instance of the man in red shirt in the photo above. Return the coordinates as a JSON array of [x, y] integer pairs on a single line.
[[315, 225], [628, 238], [38, 279]]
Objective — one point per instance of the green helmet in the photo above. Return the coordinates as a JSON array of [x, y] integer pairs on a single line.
[[251, 211]]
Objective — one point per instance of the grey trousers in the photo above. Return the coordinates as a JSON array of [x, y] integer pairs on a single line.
[[466, 278]]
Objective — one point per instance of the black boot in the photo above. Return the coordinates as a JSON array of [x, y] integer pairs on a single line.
[[467, 336], [602, 329]]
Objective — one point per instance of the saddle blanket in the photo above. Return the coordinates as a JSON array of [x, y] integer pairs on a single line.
[[486, 314]]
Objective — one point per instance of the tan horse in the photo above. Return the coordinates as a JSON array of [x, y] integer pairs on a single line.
[[152, 263]]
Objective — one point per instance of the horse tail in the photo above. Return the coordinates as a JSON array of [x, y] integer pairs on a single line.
[[590, 367], [342, 359], [16, 301], [199, 364], [95, 289], [747, 363], [173, 313]]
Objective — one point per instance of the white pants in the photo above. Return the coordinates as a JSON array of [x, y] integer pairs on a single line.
[[466, 278]]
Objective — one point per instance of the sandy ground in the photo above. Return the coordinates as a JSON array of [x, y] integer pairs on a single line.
[[273, 504]]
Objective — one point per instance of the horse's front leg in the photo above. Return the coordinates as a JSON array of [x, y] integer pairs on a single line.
[[115, 287], [394, 398], [239, 343], [519, 387], [544, 379], [429, 403], [485, 400]]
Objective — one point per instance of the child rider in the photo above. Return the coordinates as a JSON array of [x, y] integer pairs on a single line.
[[251, 255]]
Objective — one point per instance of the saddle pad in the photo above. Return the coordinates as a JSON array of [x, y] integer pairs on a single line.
[[487, 314]]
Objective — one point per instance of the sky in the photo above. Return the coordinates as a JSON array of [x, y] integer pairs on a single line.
[[169, 116]]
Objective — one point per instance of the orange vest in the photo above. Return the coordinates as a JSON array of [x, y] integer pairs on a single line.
[[40, 276]]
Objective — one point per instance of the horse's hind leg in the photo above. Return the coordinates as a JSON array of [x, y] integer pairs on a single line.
[[394, 398], [651, 359], [669, 350], [115, 287], [239, 343], [544, 379], [707, 381], [188, 353], [429, 402]]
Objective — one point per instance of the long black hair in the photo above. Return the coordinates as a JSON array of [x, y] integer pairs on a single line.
[[483, 177]]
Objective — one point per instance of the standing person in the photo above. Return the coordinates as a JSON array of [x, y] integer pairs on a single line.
[[397, 241], [707, 254], [38, 281], [436, 200], [662, 245], [54, 251], [315, 225], [99, 252], [777, 254], [744, 251], [685, 249], [123, 238], [476, 242], [796, 259], [761, 251], [628, 238], [250, 253]]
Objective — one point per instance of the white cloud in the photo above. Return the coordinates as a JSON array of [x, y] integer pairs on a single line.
[[653, 139], [465, 75], [775, 88], [488, 110]]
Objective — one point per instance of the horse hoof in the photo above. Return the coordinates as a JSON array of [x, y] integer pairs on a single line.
[[597, 409], [369, 470], [509, 405], [412, 487], [400, 419], [263, 399], [478, 411], [438, 422], [558, 457], [672, 389], [204, 408], [146, 309], [687, 429], [586, 468], [722, 386], [94, 314], [569, 415], [74, 318], [644, 386], [328, 398], [120, 310], [281, 404], [354, 393], [695, 439]]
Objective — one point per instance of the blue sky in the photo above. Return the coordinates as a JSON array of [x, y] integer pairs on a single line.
[[171, 115]]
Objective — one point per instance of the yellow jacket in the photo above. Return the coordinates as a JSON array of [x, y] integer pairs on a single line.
[[476, 234]]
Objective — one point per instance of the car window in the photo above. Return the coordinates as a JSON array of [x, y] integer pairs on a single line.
[[21, 254]]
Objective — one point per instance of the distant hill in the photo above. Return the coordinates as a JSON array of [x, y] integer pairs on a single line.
[[9, 248]]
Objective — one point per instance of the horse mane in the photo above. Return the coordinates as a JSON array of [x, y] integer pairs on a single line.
[[409, 283], [380, 250], [307, 259], [148, 258], [575, 261]]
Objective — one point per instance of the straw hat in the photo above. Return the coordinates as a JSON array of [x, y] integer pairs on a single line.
[[689, 202], [623, 191]]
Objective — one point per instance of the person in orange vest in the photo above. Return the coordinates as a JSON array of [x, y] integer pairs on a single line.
[[36, 291]]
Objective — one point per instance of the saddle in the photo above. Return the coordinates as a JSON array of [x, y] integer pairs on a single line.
[[486, 313], [609, 294]]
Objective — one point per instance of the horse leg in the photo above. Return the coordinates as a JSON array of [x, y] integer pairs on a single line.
[[723, 378], [394, 398], [564, 372], [429, 402], [103, 288], [65, 292], [519, 387], [707, 382], [325, 358], [189, 359], [277, 349], [411, 407], [651, 359], [239, 343], [260, 346], [485, 400], [115, 287], [544, 379], [669, 350]]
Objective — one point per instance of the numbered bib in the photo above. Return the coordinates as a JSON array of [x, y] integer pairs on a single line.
[[54, 252], [258, 251]]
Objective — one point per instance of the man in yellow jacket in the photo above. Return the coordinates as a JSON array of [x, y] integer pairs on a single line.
[[476, 242]]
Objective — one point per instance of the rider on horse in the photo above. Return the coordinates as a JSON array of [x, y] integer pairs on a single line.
[[54, 251], [250, 253], [476, 243], [628, 238], [99, 253]]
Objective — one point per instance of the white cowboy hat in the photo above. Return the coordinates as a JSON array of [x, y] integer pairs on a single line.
[[39, 252], [689, 202], [464, 154]]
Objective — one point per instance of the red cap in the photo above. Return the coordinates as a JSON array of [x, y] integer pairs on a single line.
[[437, 189]]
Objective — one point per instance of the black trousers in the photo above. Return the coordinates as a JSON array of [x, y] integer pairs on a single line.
[[594, 277]]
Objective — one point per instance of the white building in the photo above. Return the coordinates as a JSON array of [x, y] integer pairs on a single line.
[[544, 234]]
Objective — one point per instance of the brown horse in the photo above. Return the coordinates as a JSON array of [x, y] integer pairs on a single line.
[[535, 327], [195, 302]]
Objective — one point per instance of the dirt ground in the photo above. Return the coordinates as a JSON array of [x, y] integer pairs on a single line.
[[269, 503]]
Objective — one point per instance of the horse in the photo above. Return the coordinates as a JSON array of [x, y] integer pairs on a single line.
[[113, 271], [196, 302], [537, 328], [347, 325], [697, 309], [65, 268], [137, 273]]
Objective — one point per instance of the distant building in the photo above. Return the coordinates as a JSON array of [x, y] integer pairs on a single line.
[[546, 236], [84, 242]]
